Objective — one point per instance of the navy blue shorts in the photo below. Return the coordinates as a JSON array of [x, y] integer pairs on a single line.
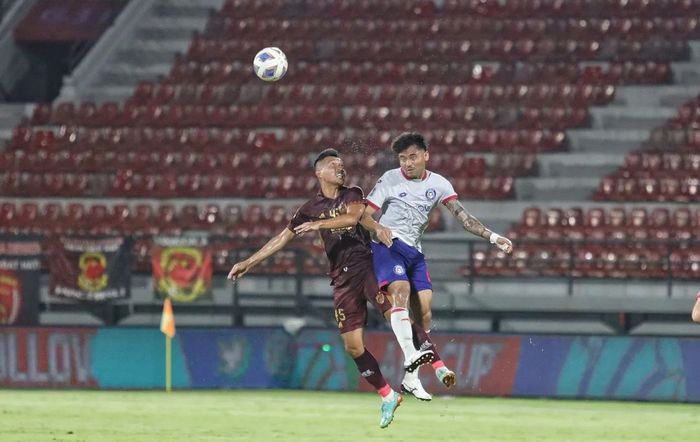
[[401, 262]]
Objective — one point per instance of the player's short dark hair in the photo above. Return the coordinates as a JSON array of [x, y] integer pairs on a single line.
[[406, 140], [325, 154]]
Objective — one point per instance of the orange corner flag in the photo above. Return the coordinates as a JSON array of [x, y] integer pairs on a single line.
[[167, 321]]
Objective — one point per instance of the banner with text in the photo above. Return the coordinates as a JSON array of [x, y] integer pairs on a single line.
[[486, 364], [46, 357], [575, 367], [20, 269], [90, 269], [182, 268]]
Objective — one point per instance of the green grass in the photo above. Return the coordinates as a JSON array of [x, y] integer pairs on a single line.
[[324, 416]]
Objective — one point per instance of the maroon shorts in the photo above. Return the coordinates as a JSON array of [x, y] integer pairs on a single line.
[[351, 290]]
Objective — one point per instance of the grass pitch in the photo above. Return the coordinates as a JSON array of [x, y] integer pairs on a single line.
[[326, 416]]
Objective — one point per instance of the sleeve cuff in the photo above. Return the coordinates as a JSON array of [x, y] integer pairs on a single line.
[[450, 198], [372, 205]]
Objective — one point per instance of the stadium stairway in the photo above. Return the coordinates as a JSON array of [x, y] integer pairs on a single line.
[[616, 129], [10, 116], [165, 28]]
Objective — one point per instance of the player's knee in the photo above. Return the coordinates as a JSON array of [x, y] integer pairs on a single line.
[[400, 298], [354, 349]]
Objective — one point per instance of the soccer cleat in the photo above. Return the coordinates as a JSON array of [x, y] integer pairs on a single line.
[[446, 376], [414, 387], [388, 409], [417, 359]]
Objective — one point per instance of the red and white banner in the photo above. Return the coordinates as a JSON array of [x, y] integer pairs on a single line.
[[38, 357], [20, 269]]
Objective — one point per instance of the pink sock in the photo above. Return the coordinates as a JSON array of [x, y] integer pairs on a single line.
[[437, 364], [384, 391]]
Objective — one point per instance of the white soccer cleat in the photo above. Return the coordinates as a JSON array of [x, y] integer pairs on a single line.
[[417, 359], [412, 385]]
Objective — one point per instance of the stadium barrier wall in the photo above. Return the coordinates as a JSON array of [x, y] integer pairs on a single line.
[[591, 367]]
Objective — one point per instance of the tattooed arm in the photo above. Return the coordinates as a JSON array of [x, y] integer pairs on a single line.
[[473, 225]]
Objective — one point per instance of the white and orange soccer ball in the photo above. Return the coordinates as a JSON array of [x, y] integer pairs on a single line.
[[270, 64]]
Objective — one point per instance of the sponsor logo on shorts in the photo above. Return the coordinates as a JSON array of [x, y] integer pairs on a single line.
[[402, 194], [398, 270], [430, 194], [380, 298]]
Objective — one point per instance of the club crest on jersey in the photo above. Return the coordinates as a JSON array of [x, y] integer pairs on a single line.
[[430, 194], [398, 270]]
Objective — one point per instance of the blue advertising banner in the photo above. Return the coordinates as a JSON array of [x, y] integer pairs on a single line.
[[133, 358], [238, 358], [321, 362], [608, 368], [576, 367]]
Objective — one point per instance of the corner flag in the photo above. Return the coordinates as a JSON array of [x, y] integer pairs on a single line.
[[167, 326], [167, 321]]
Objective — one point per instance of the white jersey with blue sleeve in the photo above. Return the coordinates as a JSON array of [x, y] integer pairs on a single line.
[[406, 203]]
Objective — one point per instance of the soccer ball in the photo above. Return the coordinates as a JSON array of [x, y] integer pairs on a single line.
[[270, 64]]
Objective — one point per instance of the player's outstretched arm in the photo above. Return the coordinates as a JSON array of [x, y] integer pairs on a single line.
[[383, 233], [273, 246], [473, 225]]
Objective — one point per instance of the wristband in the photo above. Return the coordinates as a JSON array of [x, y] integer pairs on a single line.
[[494, 237]]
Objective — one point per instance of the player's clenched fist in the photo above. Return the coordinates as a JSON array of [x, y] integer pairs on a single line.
[[238, 270], [504, 244], [384, 235]]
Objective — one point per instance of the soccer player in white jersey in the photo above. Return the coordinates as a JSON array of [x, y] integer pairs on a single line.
[[406, 196]]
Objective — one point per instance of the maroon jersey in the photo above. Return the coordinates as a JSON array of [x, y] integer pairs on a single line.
[[345, 247]]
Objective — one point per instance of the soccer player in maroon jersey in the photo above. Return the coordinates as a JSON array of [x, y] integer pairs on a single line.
[[351, 268]]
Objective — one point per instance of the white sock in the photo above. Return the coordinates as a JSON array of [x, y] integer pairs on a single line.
[[401, 324]]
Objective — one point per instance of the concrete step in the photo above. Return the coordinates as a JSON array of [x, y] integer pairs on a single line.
[[618, 141], [694, 50], [5, 137], [687, 73], [216, 4], [169, 28], [124, 74], [651, 96], [152, 51], [12, 113], [172, 45], [578, 165], [179, 11], [630, 117], [103, 94], [543, 189]]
